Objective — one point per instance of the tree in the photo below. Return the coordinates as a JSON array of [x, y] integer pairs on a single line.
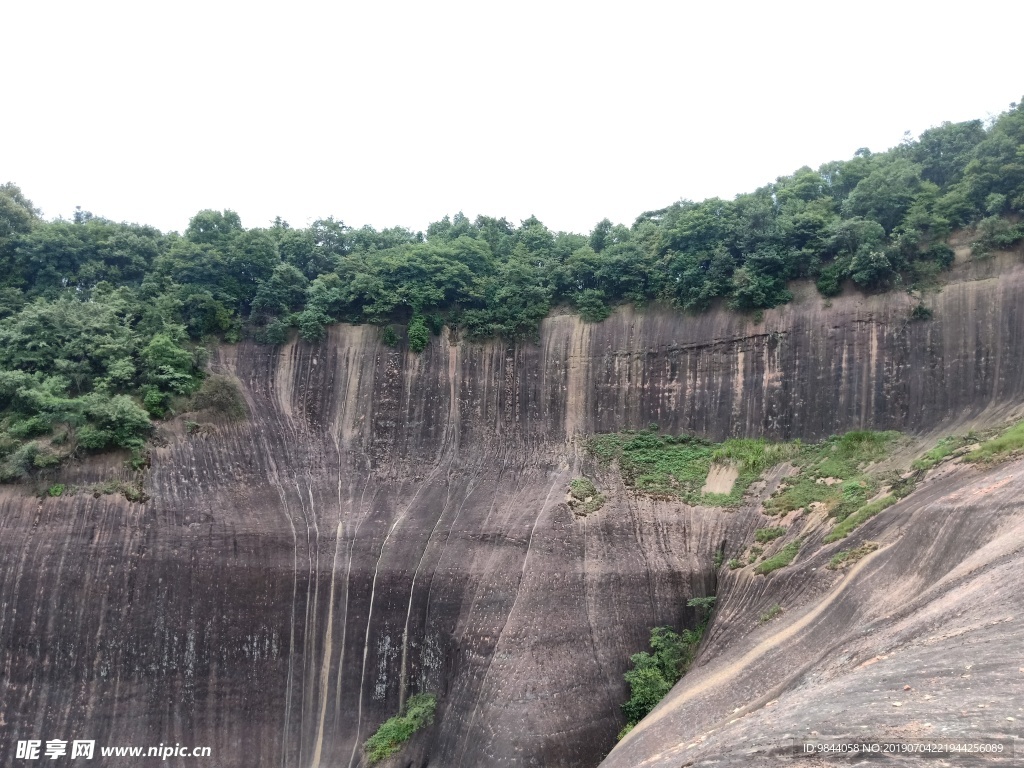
[[283, 292], [17, 214], [213, 227], [885, 194], [168, 366], [943, 152]]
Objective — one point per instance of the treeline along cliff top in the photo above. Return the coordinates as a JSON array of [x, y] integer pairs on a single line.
[[102, 324]]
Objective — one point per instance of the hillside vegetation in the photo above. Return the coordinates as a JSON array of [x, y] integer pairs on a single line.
[[101, 324]]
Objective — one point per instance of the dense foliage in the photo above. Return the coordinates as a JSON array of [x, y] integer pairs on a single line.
[[654, 673], [100, 322], [395, 731]]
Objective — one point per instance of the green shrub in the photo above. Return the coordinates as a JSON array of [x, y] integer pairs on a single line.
[[395, 731], [154, 401], [921, 312], [702, 604], [862, 515], [419, 334], [27, 457], [45, 458], [388, 338], [581, 489], [735, 563], [32, 426], [221, 395], [830, 282], [312, 324], [435, 323], [653, 674], [121, 416], [780, 559], [592, 305], [8, 445], [93, 439], [56, 490], [584, 497], [276, 332], [764, 535]]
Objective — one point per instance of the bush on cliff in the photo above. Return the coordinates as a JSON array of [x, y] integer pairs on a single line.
[[654, 673], [395, 731]]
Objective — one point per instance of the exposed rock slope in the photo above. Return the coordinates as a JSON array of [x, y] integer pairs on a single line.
[[387, 523]]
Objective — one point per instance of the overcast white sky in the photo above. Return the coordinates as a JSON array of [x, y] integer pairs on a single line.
[[388, 113]]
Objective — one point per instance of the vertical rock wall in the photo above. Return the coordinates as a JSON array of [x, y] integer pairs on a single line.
[[387, 523]]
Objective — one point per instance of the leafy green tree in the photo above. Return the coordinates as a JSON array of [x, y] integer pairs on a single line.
[[944, 151], [251, 260], [515, 302], [756, 289], [76, 339], [282, 293], [168, 365], [872, 269], [121, 418], [885, 194], [313, 324], [17, 214], [214, 227], [653, 674], [592, 305]]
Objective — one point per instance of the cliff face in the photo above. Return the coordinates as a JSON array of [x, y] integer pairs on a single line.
[[387, 523]]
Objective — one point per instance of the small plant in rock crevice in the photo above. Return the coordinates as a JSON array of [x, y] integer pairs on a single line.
[[584, 497], [774, 611]]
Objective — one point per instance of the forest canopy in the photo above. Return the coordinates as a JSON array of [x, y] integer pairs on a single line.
[[101, 323]]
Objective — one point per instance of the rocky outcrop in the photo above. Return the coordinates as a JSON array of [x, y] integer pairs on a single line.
[[387, 523], [920, 642]]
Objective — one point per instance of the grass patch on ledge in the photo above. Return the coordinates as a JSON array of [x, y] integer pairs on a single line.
[[676, 467], [1007, 444], [862, 515], [780, 559], [833, 473], [764, 535], [945, 448]]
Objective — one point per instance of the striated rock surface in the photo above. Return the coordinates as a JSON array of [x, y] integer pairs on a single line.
[[920, 642], [388, 523]]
